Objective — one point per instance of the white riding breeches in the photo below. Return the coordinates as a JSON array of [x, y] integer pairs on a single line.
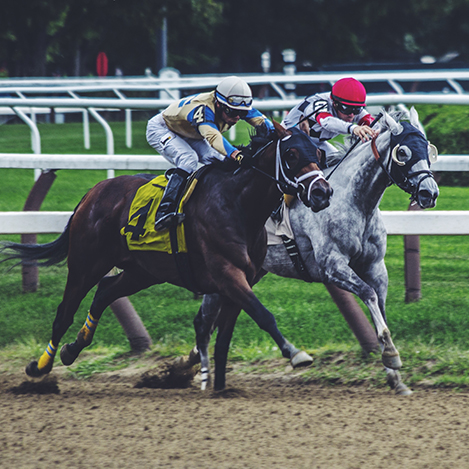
[[184, 153]]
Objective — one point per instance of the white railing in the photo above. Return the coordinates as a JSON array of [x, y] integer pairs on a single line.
[[150, 162], [30, 96], [108, 162], [430, 222]]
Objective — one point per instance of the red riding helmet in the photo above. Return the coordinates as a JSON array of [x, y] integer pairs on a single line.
[[349, 91]]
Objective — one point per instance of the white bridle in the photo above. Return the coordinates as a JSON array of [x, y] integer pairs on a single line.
[[279, 171]]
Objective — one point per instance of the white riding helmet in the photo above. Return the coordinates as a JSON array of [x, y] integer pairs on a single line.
[[234, 93]]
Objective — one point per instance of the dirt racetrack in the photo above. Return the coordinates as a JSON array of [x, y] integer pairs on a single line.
[[261, 421]]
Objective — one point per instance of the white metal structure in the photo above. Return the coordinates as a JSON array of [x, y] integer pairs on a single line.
[[25, 97]]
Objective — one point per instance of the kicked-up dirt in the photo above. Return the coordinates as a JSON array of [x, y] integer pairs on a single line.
[[262, 420]]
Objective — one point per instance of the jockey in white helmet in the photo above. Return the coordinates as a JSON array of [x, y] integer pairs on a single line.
[[190, 131]]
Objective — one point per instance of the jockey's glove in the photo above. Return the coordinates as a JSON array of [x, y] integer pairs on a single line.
[[243, 161]]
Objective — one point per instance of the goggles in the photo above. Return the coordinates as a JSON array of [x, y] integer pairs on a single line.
[[347, 110], [236, 100], [230, 112], [239, 101]]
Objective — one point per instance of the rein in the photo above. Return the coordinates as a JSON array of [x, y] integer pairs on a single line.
[[378, 117], [287, 184]]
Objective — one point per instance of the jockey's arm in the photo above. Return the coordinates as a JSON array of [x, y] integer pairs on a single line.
[[207, 128], [257, 119], [336, 125], [214, 137]]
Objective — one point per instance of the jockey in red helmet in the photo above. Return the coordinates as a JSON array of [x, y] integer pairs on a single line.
[[329, 114]]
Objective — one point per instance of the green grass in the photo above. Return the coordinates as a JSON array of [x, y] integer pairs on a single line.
[[431, 334]]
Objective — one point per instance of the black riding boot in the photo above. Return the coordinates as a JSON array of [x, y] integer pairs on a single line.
[[167, 214]]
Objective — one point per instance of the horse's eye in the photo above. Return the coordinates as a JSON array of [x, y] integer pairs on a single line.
[[404, 154]]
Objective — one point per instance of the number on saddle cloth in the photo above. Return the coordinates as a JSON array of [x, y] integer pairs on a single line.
[[140, 231]]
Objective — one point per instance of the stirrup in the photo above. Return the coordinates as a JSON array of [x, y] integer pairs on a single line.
[[171, 219]]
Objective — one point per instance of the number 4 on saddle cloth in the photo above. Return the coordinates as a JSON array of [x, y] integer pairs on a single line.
[[140, 229]]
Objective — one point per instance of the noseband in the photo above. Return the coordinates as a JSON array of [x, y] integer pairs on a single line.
[[284, 183], [298, 188], [404, 181]]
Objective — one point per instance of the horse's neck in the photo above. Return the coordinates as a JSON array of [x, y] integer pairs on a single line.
[[260, 194], [362, 179]]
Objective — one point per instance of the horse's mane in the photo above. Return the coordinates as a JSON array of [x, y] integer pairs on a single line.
[[343, 148], [259, 136]]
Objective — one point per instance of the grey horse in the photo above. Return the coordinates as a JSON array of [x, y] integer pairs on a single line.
[[344, 246]]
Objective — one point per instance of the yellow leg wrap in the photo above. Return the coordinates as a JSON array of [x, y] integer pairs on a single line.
[[47, 357], [88, 328]]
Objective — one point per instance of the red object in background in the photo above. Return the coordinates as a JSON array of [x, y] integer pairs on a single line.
[[101, 64]]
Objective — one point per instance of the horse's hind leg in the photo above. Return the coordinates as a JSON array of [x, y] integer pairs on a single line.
[[204, 324], [73, 295], [109, 289]]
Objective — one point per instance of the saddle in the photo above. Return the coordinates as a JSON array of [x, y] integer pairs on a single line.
[[140, 228]]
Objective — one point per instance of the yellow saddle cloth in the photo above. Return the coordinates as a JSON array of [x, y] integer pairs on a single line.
[[140, 228]]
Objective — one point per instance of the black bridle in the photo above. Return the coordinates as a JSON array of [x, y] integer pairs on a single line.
[[395, 172], [284, 175]]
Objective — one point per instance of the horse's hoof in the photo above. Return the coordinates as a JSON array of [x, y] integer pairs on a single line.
[[65, 355], [301, 359], [392, 360], [33, 371], [402, 390]]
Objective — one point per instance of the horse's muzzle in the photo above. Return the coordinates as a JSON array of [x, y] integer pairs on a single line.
[[426, 198], [427, 193], [319, 198]]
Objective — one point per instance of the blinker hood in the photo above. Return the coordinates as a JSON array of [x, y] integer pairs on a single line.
[[306, 150]]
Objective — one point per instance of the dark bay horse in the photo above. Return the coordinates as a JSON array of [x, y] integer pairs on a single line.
[[225, 237], [345, 245]]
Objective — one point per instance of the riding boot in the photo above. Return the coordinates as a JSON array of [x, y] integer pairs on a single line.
[[167, 215]]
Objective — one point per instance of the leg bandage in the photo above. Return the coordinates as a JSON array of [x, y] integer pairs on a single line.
[[87, 331], [47, 357]]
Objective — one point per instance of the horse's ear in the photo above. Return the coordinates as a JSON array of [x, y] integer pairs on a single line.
[[414, 117], [280, 130], [392, 125]]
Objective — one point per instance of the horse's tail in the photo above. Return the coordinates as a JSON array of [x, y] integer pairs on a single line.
[[47, 254]]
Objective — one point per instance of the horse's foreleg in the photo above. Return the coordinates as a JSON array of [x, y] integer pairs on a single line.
[[226, 323], [347, 279], [243, 295], [266, 321], [395, 382], [389, 353]]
